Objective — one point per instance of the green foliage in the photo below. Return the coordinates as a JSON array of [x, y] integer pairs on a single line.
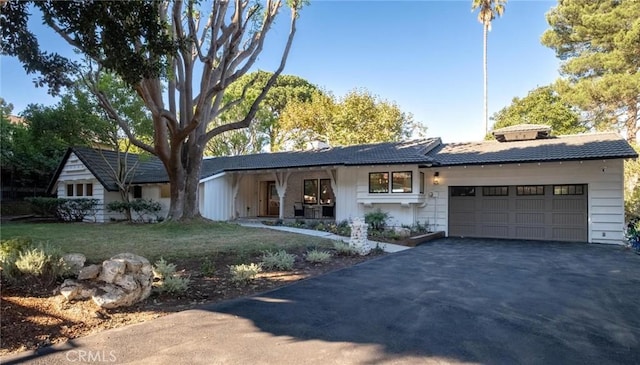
[[207, 267], [541, 106], [163, 269], [597, 42], [280, 260], [44, 206], [377, 250], [318, 257], [265, 128], [377, 219], [76, 210], [43, 262], [169, 281], [142, 207], [343, 249], [9, 251], [68, 210], [488, 10], [632, 187], [244, 273], [174, 284], [359, 117], [632, 234]]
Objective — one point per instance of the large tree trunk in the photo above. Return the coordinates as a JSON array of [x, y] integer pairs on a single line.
[[485, 72]]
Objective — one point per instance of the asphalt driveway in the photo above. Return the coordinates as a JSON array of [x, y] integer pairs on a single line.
[[450, 301]]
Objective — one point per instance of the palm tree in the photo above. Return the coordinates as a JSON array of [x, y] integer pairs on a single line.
[[488, 11]]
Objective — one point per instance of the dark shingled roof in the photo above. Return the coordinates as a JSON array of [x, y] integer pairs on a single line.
[[564, 148], [425, 152], [387, 153], [102, 163]]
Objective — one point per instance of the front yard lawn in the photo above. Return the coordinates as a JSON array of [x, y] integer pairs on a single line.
[[99, 242]]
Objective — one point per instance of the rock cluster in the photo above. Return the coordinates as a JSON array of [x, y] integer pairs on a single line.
[[121, 281], [359, 236]]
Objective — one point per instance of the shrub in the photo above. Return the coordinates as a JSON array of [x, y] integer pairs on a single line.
[[343, 249], [43, 262], [76, 210], [377, 219], [317, 256], [169, 281], [378, 250], [632, 233], [44, 206], [9, 251], [163, 269], [207, 268], [280, 260], [14, 246], [144, 207], [174, 284], [244, 273]]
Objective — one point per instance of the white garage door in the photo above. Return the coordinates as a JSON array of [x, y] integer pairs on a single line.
[[537, 212]]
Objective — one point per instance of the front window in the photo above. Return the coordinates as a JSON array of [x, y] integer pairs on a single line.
[[422, 183], [311, 191], [402, 182], [326, 193], [378, 182], [89, 189]]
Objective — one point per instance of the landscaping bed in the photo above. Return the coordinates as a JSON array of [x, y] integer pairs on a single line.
[[34, 315]]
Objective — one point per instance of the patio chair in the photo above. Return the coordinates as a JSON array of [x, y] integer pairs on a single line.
[[298, 209]]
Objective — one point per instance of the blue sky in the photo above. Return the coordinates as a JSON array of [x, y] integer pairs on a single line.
[[424, 55]]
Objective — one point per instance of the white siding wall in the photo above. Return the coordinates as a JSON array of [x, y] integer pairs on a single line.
[[604, 180], [75, 172], [216, 198], [354, 200]]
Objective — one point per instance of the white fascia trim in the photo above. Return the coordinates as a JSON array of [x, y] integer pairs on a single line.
[[212, 177]]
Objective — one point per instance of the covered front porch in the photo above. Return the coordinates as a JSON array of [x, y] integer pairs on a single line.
[[286, 194]]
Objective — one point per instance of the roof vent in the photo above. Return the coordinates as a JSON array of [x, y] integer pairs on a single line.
[[317, 145], [522, 132]]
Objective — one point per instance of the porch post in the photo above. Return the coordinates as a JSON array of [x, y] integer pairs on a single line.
[[281, 188], [235, 187]]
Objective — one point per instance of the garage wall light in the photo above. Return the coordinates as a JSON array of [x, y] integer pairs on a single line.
[[436, 178]]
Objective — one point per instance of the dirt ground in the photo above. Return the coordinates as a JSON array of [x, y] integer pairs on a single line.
[[34, 316]]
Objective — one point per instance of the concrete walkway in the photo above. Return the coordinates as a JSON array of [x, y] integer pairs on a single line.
[[387, 247], [451, 301]]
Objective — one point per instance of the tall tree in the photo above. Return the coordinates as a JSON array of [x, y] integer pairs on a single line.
[[265, 128], [358, 117], [598, 42], [541, 106], [487, 12], [179, 57]]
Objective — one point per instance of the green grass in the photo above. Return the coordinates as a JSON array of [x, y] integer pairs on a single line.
[[169, 240]]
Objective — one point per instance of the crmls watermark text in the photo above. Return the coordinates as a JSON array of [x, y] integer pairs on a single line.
[[88, 356]]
